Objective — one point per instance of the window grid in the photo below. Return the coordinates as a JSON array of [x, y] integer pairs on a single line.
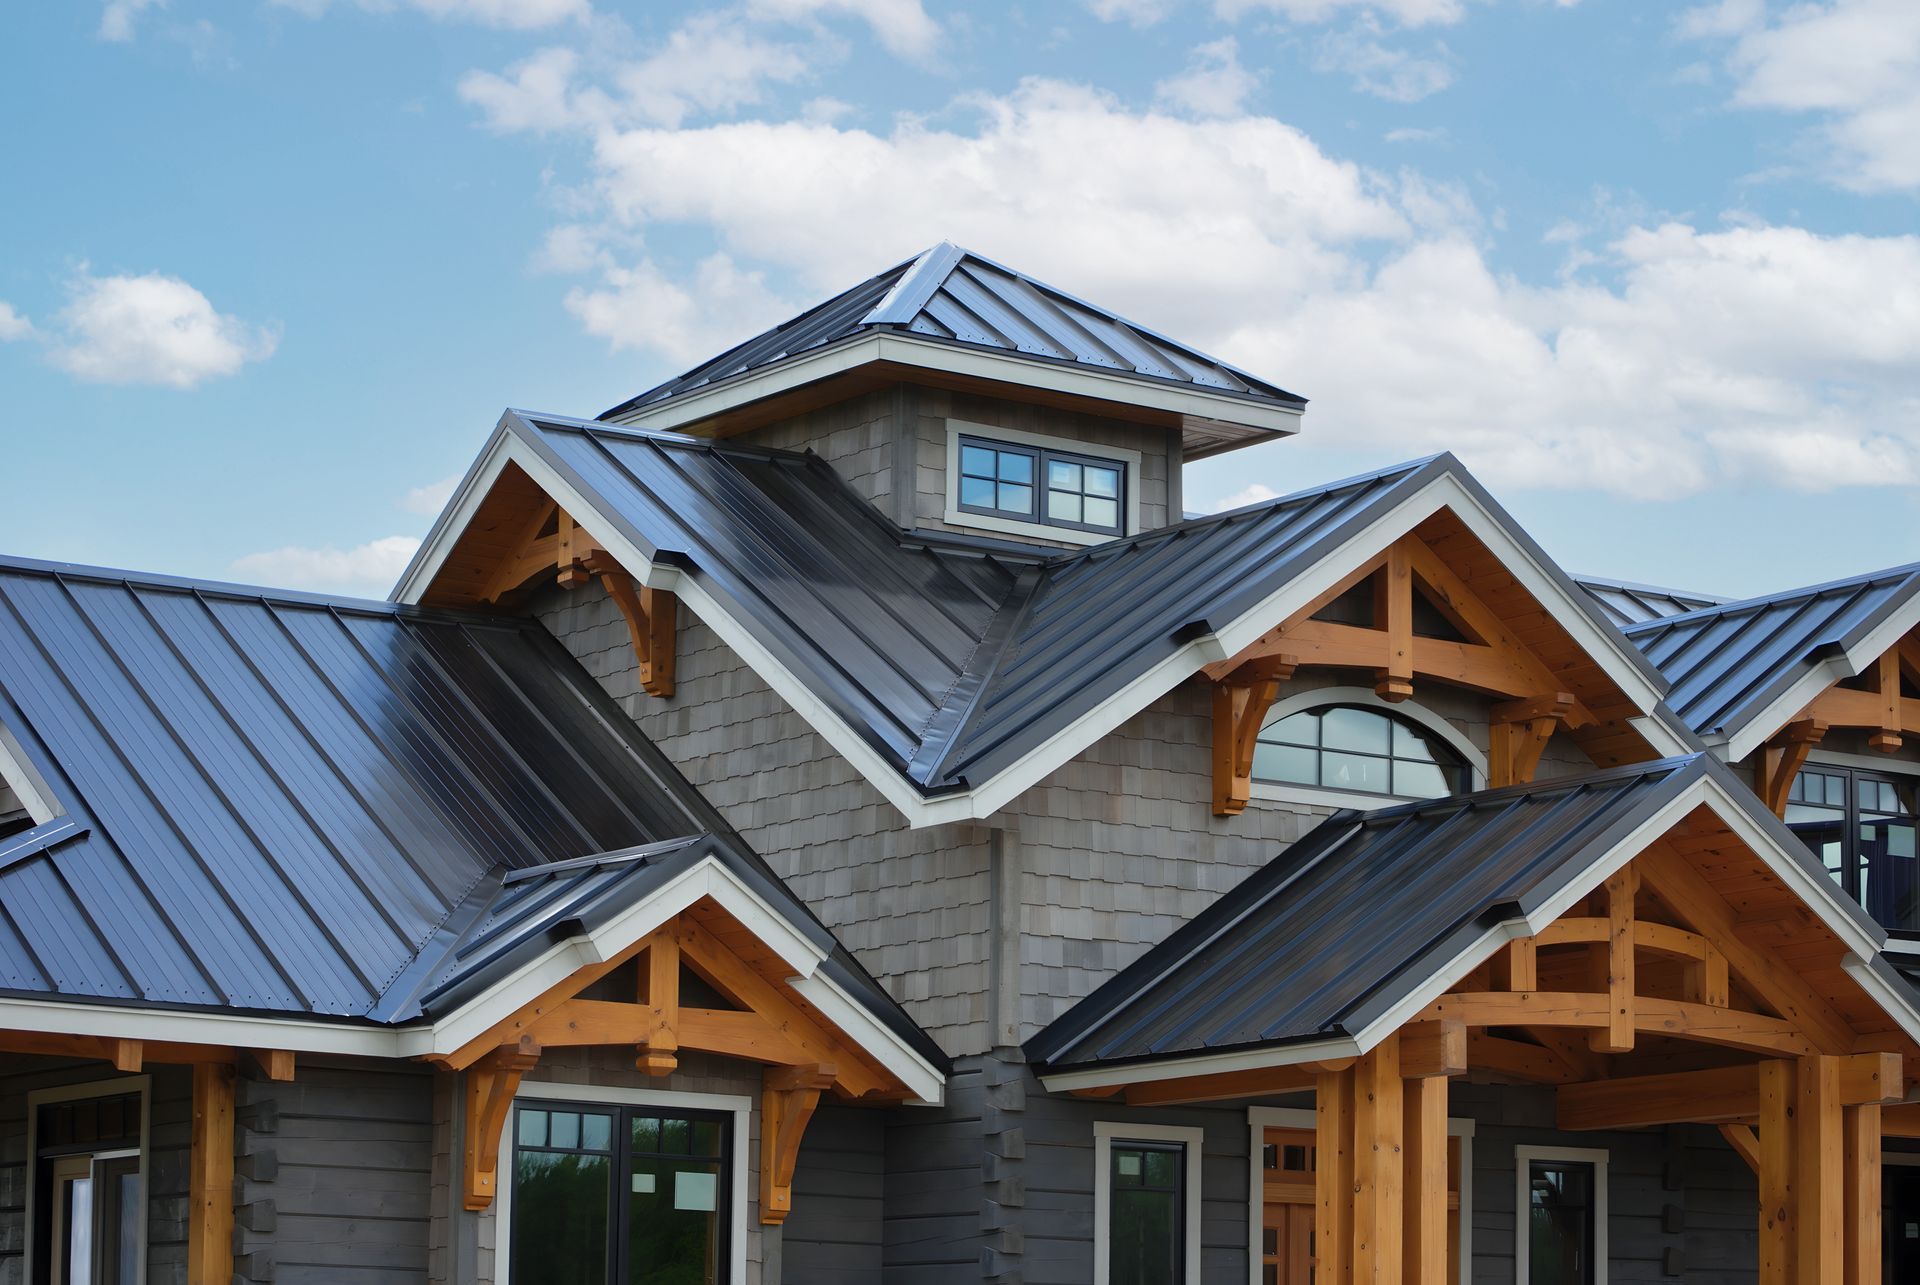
[[1862, 827], [1359, 750], [1041, 485]]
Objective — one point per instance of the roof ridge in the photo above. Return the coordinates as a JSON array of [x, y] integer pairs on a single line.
[[1726, 606], [1640, 586]]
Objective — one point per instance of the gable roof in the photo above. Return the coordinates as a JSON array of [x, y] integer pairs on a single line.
[[1626, 603], [1337, 941], [955, 671], [952, 297], [305, 808], [1739, 670]]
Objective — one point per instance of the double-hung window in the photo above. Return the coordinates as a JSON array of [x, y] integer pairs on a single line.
[[1042, 485], [1862, 826], [606, 1193], [1146, 1204]]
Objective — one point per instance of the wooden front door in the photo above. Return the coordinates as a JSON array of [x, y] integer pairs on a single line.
[[1287, 1178]]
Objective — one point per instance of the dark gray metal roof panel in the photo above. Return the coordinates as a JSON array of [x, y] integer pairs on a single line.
[[1726, 663], [1355, 915], [955, 296], [1626, 603], [282, 803]]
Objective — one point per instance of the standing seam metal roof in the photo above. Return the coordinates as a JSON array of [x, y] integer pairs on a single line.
[[1626, 603], [1726, 663], [952, 295]]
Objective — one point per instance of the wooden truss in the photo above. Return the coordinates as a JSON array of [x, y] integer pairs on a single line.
[[1492, 660], [802, 1056], [551, 541], [1879, 708]]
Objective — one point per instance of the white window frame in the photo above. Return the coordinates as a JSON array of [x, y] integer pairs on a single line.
[[1260, 1119], [1523, 1158], [140, 1084], [956, 516], [1105, 1133], [739, 1107], [1365, 697], [17, 774]]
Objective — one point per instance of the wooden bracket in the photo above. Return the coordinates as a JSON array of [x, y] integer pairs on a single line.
[[1239, 709], [789, 1096], [1519, 734], [1883, 711], [1781, 760], [275, 1064], [651, 615], [491, 1084], [659, 1050]]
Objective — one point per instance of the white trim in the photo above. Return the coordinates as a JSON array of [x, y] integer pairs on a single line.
[[927, 354], [1890, 998], [140, 1084], [1854, 661], [741, 1109], [1885, 764], [17, 774], [1367, 698], [1129, 461], [1523, 1158], [1193, 1140], [1260, 1119], [868, 1032]]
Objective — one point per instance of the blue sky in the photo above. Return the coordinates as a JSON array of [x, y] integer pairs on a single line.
[[272, 269]]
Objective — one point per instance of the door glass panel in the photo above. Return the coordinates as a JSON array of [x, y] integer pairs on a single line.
[[1144, 1221], [559, 1203], [675, 1209], [1560, 1235]]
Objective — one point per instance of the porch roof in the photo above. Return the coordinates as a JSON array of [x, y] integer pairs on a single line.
[[1371, 907]]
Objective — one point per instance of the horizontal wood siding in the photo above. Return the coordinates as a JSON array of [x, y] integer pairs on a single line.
[[835, 1232]]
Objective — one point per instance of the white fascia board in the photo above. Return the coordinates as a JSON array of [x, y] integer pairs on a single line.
[[1893, 1000], [911, 350], [453, 520], [66, 1017], [1203, 1064], [922, 1079], [1871, 646]]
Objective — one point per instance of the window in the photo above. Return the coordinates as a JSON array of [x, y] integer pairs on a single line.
[[1561, 1235], [1042, 485], [1146, 1204], [1366, 751], [606, 1193], [1862, 825], [87, 1221]]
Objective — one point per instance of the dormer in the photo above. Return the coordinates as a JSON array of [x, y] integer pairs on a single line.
[[957, 394]]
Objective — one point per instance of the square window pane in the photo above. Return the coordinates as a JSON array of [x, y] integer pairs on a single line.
[[1102, 481], [596, 1132], [1015, 467], [674, 1136], [1295, 729], [1163, 1168], [1290, 763], [560, 1218], [1355, 729], [1420, 780], [1062, 507], [1354, 772], [533, 1128], [564, 1130], [1063, 475], [1836, 790], [1016, 499], [1410, 744], [646, 1133], [976, 491], [976, 461], [706, 1138], [1103, 513]]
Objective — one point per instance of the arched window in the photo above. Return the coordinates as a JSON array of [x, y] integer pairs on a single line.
[[1359, 750]]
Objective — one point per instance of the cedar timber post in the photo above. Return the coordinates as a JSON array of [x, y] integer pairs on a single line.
[[1861, 1127], [1379, 1172], [1393, 608], [788, 1098], [1429, 1053], [1818, 1173], [659, 1052], [1617, 1037], [1777, 1187], [1333, 1178], [210, 1180]]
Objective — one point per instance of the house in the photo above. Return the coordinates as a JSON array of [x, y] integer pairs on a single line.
[[833, 818]]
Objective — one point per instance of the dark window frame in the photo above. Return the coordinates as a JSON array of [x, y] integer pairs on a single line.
[[1455, 767], [621, 1155], [1588, 1271], [1175, 1195], [103, 1125], [1042, 458], [1879, 897]]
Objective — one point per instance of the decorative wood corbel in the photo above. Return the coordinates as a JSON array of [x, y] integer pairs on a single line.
[[491, 1084], [1240, 705], [789, 1096], [1782, 758], [650, 615], [658, 1052], [1519, 734]]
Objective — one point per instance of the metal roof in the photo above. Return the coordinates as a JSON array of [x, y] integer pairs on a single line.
[[951, 295], [1727, 663], [1626, 603], [290, 804], [1358, 913], [953, 657]]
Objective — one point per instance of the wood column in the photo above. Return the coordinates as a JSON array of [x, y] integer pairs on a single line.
[[1379, 1165], [1861, 1126], [1333, 1178], [1777, 1145], [1424, 1228], [210, 1179], [1819, 1173]]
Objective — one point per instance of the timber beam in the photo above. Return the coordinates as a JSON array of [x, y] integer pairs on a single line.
[[1882, 710], [1226, 1086], [789, 1096], [1728, 1094], [1730, 1028]]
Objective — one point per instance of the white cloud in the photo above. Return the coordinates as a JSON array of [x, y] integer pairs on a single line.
[[116, 19], [1413, 134], [643, 308], [1135, 13], [538, 98], [13, 325], [1252, 493], [1407, 13], [371, 568], [152, 329], [1214, 83], [1380, 69], [1854, 64], [901, 25], [428, 500], [512, 15]]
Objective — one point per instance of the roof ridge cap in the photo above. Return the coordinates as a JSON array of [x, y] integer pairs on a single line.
[[1907, 571]]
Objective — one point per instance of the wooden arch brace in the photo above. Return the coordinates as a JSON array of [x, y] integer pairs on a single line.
[[1782, 758], [491, 1084], [1883, 711], [788, 1098], [1239, 710]]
